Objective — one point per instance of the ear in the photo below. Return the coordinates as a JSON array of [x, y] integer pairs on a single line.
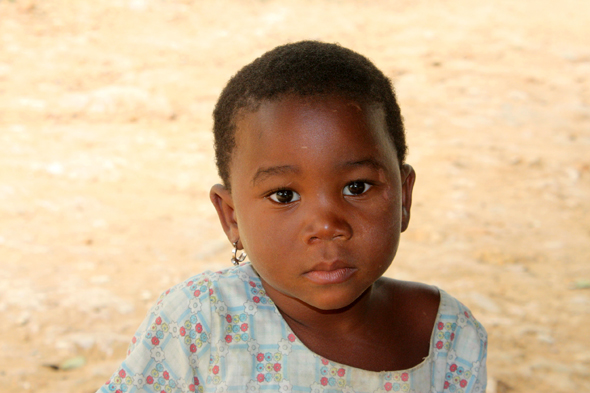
[[408, 177], [223, 202]]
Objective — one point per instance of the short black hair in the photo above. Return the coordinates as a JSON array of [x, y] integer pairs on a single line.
[[304, 68]]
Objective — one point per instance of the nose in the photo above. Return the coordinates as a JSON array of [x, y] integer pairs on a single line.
[[326, 221]]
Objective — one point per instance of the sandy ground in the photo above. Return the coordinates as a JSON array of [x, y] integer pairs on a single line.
[[106, 163]]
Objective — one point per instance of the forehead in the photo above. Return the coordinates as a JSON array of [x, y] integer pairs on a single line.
[[311, 129], [316, 117]]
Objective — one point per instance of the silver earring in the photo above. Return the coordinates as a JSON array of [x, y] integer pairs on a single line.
[[235, 259]]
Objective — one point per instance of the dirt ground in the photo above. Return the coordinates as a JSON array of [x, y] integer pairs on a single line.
[[106, 162]]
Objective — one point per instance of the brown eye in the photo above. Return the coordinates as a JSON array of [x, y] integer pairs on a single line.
[[284, 196], [356, 188]]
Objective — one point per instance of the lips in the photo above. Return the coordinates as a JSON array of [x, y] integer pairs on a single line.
[[330, 273]]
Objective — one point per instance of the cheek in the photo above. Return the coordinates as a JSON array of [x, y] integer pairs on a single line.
[[263, 238], [383, 225]]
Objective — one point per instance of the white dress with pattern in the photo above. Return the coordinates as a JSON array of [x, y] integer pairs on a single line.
[[219, 332]]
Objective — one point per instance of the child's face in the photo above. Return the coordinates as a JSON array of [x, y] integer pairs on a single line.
[[318, 199]]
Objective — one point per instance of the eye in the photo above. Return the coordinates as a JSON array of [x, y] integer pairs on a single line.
[[356, 188], [284, 196]]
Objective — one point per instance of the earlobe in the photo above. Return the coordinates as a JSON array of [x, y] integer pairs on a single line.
[[222, 201], [408, 178]]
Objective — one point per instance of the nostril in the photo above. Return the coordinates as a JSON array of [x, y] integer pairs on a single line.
[[326, 226]]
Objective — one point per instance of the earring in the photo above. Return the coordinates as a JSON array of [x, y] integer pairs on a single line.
[[235, 259]]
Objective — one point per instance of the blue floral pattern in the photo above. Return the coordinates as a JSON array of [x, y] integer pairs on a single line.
[[219, 332]]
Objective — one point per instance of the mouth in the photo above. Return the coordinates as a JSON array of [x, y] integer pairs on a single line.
[[330, 273]]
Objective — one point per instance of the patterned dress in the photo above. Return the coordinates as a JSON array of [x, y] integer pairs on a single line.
[[220, 332]]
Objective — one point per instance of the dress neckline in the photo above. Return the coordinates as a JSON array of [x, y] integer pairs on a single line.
[[420, 365]]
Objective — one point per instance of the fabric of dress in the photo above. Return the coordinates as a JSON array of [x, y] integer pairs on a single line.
[[219, 332]]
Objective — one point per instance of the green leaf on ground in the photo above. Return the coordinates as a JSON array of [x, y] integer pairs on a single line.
[[581, 284], [72, 363]]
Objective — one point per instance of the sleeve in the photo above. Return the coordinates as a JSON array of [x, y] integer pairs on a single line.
[[482, 376], [461, 345], [466, 360], [170, 348]]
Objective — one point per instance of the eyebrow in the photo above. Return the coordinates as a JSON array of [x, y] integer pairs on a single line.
[[264, 173], [370, 162]]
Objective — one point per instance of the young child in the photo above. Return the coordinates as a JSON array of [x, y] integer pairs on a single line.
[[310, 147]]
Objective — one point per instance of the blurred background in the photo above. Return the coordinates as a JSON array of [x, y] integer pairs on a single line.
[[106, 162]]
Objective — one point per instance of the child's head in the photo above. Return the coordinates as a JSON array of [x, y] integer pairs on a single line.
[[306, 68], [311, 140]]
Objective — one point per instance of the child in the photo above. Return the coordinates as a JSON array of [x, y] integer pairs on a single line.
[[310, 147]]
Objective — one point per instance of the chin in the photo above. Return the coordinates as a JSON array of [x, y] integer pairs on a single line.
[[333, 302]]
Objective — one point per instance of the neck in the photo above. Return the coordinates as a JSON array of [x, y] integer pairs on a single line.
[[302, 317]]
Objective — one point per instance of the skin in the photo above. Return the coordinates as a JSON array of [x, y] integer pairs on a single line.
[[318, 202]]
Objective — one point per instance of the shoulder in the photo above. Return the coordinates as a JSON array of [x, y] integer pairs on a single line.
[[180, 330], [416, 301], [416, 294], [468, 336], [175, 309], [411, 309], [190, 306], [459, 344], [213, 292], [453, 309]]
